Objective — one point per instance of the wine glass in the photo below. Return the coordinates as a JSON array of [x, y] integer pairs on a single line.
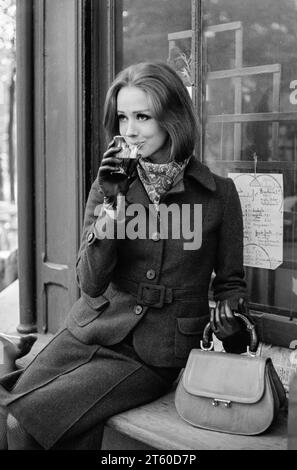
[[129, 156]]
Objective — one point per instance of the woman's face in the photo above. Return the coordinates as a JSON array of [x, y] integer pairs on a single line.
[[137, 124]]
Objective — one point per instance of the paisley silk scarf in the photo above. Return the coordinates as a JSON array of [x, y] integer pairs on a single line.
[[158, 178]]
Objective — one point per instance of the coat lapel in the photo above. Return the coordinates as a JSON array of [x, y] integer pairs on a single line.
[[197, 171]]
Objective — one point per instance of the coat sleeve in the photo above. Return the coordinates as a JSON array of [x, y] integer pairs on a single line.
[[229, 282], [96, 258]]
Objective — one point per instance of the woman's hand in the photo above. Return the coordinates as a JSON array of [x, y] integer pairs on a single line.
[[111, 163], [223, 322]]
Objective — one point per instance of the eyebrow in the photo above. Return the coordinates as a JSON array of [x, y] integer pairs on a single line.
[[135, 112]]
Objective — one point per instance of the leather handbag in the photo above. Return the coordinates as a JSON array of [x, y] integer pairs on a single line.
[[230, 393]]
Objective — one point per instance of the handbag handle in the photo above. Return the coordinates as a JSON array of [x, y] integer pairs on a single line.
[[207, 343]]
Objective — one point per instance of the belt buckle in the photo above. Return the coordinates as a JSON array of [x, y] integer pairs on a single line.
[[157, 287]]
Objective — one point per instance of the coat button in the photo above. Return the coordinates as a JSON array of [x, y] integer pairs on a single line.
[[90, 237], [138, 309], [156, 236], [151, 274]]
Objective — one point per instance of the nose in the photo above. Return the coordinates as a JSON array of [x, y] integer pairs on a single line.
[[131, 130]]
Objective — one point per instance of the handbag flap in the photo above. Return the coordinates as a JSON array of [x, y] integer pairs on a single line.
[[224, 376]]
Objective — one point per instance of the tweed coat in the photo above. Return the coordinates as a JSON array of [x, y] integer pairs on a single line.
[[153, 288]]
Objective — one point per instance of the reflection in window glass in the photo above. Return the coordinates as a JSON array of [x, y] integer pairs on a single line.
[[251, 62], [220, 96], [224, 42], [251, 111], [146, 26], [257, 93], [219, 140], [256, 138]]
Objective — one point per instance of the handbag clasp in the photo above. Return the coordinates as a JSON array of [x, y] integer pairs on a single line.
[[217, 401]]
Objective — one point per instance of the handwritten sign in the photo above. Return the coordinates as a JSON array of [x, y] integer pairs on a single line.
[[261, 197]]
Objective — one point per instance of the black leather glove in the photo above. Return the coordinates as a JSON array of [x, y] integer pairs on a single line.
[[223, 322], [110, 186], [228, 328]]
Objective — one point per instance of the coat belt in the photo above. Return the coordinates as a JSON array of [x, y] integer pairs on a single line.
[[156, 295]]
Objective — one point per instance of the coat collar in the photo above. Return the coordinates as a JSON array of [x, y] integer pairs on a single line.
[[196, 170], [201, 173]]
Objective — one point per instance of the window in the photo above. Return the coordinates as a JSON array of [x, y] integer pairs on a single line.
[[251, 128], [146, 26]]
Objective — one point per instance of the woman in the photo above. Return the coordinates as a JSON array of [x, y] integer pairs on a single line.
[[144, 299]]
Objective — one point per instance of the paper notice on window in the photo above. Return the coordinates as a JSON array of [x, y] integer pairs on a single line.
[[261, 197]]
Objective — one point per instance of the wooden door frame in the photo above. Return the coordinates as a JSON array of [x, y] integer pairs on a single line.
[[46, 272], [25, 164]]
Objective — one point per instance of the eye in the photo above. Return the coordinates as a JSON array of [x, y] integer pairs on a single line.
[[121, 117], [143, 117]]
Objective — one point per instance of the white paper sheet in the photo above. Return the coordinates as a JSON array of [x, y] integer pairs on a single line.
[[261, 197]]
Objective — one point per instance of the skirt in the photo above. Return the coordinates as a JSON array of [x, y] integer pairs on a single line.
[[71, 387]]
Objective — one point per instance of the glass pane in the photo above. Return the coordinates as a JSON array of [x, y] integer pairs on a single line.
[[220, 96], [219, 141], [257, 93], [287, 143], [256, 137], [146, 29], [251, 121], [225, 43]]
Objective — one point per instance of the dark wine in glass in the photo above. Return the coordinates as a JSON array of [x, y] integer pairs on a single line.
[[129, 154]]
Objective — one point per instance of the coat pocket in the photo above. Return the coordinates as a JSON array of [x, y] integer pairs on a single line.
[[188, 333], [84, 311]]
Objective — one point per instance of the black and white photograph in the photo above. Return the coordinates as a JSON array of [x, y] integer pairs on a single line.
[[148, 228]]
